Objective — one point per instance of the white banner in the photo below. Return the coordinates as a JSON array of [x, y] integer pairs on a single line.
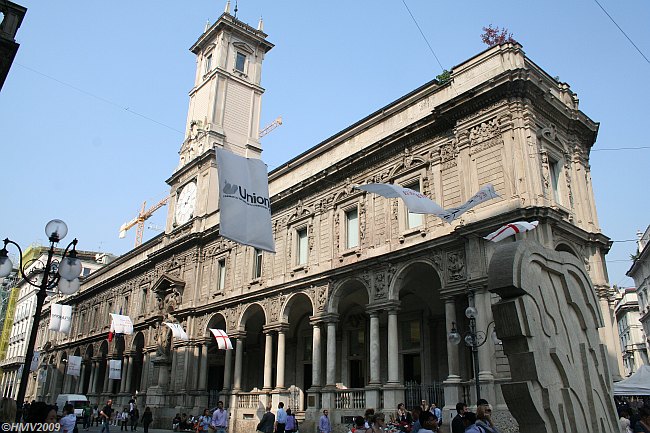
[[34, 365], [66, 319], [511, 230], [223, 341], [417, 202], [74, 365], [42, 375], [55, 317], [177, 331], [244, 204], [114, 369], [121, 324]]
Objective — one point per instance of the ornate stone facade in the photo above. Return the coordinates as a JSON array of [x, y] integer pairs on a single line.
[[313, 334]]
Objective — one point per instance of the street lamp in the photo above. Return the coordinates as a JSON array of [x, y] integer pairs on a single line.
[[64, 273], [473, 339]]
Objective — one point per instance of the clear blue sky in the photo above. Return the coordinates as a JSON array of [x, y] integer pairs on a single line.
[[83, 152]]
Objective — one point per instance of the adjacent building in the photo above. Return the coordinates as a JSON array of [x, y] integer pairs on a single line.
[[11, 15], [640, 273], [354, 309], [630, 331], [22, 309]]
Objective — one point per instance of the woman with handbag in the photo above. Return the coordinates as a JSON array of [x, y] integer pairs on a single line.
[[204, 422]]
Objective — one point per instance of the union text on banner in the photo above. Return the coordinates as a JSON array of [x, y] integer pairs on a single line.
[[74, 365], [510, 230], [34, 365], [55, 317], [244, 204], [177, 331], [223, 341], [115, 369], [121, 324]]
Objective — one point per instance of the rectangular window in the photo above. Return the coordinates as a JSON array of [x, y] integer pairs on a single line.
[[302, 246], [221, 265], [125, 310], [357, 342], [414, 219], [85, 272], [410, 334], [240, 62], [352, 228], [554, 168], [208, 64], [143, 301], [257, 265]]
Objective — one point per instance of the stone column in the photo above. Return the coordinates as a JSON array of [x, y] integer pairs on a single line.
[[125, 372], [239, 360], [279, 382], [374, 349], [316, 356], [196, 359], [268, 360], [129, 375], [452, 387], [203, 376], [227, 371], [331, 354], [80, 380], [393, 348], [146, 365], [93, 377], [106, 380], [486, 352]]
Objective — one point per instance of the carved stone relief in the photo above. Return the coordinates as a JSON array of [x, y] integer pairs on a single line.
[[485, 135], [449, 154], [455, 266]]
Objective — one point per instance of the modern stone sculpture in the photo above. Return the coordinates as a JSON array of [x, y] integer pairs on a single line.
[[548, 320]]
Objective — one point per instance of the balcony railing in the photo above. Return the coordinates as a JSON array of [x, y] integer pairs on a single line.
[[18, 360], [253, 400], [350, 399]]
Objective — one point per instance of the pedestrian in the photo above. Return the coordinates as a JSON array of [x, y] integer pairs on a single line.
[[403, 416], [457, 423], [469, 420], [8, 411], [134, 417], [147, 417], [69, 420], [484, 419], [95, 416], [436, 411], [292, 423], [87, 413], [415, 414], [624, 421], [204, 421], [370, 412], [220, 418], [266, 423], [280, 418], [378, 422], [123, 419], [105, 415]]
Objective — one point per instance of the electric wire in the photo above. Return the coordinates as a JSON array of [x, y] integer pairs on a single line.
[[422, 33], [624, 34], [620, 148], [100, 98]]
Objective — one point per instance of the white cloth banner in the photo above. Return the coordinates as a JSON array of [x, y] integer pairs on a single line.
[[223, 341], [511, 230], [55, 317], [60, 318], [244, 204], [121, 324], [114, 369], [74, 365], [42, 375], [66, 319], [177, 331], [34, 365], [417, 202]]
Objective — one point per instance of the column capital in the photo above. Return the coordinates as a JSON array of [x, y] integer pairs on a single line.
[[276, 327], [378, 307], [239, 335]]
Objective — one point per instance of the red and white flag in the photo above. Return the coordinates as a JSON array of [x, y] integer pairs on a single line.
[[223, 341], [177, 330], [511, 230]]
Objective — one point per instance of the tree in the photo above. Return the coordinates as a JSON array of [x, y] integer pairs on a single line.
[[492, 36]]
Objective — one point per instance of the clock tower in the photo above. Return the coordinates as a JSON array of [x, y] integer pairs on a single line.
[[224, 110]]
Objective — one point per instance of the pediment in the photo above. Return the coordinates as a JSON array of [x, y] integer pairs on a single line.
[[166, 284], [243, 47]]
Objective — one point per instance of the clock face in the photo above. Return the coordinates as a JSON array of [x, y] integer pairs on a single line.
[[186, 203]]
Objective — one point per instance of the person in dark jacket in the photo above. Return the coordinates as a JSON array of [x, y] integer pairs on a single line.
[[267, 422], [457, 423], [147, 418]]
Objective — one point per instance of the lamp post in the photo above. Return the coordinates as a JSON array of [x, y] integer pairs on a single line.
[[64, 273], [473, 339]]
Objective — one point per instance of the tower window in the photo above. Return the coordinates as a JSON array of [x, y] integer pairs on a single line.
[[208, 64], [240, 62], [352, 228], [554, 169]]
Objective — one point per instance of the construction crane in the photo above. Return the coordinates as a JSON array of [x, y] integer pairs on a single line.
[[271, 126], [140, 219]]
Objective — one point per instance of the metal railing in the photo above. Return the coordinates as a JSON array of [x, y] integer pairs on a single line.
[[350, 399], [415, 392]]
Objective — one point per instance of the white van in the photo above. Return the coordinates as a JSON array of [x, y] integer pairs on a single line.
[[77, 401]]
